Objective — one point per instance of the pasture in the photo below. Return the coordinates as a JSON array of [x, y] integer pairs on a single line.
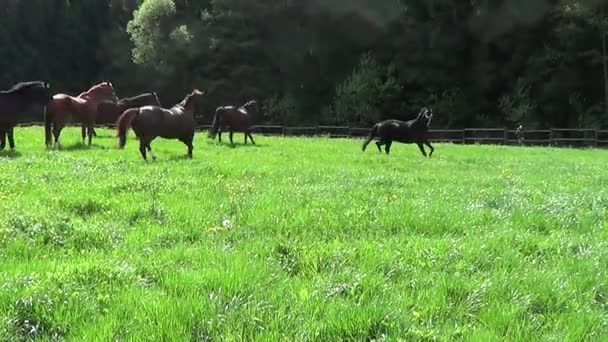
[[324, 242]]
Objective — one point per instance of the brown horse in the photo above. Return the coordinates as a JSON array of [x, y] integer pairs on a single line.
[[83, 107], [150, 122], [234, 119]]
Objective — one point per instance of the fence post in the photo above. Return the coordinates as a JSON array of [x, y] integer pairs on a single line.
[[595, 137], [464, 138]]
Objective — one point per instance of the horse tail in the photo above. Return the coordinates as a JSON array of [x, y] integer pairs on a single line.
[[371, 136], [123, 124], [216, 121], [48, 123]]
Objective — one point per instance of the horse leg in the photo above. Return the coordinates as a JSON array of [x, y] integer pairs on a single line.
[[83, 131], [379, 145], [427, 143], [2, 137], [231, 142], [387, 148], [188, 142], [219, 136], [250, 138], [150, 150], [142, 149], [11, 138], [245, 138], [421, 149], [56, 132], [90, 132]]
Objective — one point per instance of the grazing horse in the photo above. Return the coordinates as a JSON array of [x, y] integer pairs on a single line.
[[13, 102], [235, 119], [84, 107], [411, 131], [150, 122], [108, 112]]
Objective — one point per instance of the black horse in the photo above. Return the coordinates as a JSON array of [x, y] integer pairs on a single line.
[[412, 131], [17, 100], [233, 119]]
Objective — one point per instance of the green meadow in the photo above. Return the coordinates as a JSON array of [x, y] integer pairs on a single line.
[[301, 239]]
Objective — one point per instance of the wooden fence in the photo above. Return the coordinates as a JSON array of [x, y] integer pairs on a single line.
[[553, 136]]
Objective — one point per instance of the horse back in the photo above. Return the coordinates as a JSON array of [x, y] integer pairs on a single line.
[[396, 130]]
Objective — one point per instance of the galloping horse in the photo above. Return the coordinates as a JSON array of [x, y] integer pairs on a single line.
[[84, 107], [15, 101], [235, 119], [150, 122], [411, 131], [108, 112]]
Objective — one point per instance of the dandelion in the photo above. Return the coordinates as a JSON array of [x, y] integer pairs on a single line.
[[227, 224]]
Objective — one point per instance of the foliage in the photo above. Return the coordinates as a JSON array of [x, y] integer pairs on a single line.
[[468, 60], [360, 97]]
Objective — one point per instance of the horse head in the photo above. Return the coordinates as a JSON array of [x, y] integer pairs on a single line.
[[251, 105], [425, 115], [189, 103], [103, 91]]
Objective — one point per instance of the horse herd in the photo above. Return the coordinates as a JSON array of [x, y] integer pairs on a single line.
[[149, 120]]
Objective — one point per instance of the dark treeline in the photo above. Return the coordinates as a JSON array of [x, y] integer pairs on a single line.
[[345, 62]]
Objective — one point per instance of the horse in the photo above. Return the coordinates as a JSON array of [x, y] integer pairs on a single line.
[[411, 131], [84, 107], [17, 100], [235, 119], [108, 112], [149, 122]]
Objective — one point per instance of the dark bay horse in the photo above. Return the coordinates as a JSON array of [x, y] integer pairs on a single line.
[[17, 100], [234, 120], [411, 131], [108, 112], [149, 122], [83, 107]]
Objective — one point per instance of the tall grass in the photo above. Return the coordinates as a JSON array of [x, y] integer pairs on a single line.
[[301, 239]]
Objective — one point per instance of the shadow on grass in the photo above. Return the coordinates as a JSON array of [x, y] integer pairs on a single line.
[[80, 146], [11, 154]]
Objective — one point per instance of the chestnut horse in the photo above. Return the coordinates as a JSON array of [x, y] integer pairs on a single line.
[[411, 131], [83, 107], [150, 122], [234, 119]]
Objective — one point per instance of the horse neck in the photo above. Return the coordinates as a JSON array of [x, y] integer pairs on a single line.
[[92, 97], [137, 100]]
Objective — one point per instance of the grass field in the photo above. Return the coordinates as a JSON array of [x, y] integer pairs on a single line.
[[323, 243]]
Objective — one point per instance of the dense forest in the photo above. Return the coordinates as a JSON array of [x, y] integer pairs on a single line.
[[352, 62]]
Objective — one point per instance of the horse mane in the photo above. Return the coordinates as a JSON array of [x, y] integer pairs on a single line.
[[95, 87], [21, 86]]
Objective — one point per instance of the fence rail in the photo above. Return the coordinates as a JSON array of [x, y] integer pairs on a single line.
[[553, 136]]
